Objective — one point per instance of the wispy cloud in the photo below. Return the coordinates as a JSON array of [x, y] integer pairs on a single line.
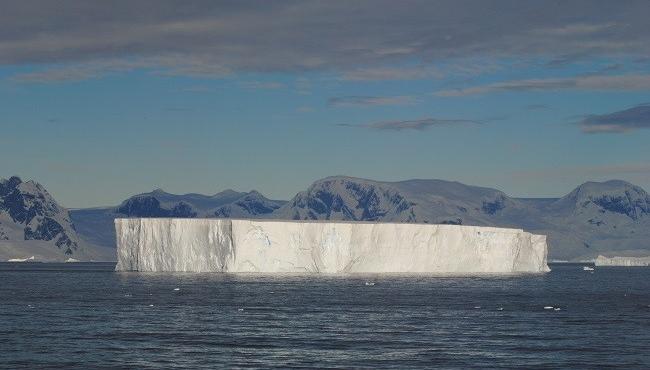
[[638, 82], [391, 73], [363, 101], [418, 124], [164, 66], [536, 106], [454, 67], [78, 72], [631, 119], [262, 85], [196, 89]]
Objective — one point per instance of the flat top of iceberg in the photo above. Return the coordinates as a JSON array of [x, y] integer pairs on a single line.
[[444, 226]]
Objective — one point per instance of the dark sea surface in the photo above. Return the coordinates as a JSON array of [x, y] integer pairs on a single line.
[[86, 316]]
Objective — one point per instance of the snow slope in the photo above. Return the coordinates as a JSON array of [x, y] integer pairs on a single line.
[[32, 223], [271, 246]]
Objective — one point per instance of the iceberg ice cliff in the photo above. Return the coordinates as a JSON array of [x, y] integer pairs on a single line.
[[271, 246]]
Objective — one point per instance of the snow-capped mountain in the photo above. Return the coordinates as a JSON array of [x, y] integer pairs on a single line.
[[252, 204], [96, 224], [28, 212], [611, 216], [594, 201], [424, 201], [228, 203], [32, 223]]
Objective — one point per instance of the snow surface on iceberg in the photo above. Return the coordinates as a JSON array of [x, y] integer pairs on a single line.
[[270, 246], [622, 261]]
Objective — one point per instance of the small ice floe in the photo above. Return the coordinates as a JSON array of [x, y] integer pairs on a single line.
[[587, 268], [370, 283], [177, 289], [548, 307]]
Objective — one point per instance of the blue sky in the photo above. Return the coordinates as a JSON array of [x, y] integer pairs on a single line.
[[98, 124]]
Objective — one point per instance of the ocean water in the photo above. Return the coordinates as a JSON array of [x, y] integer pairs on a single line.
[[87, 316]]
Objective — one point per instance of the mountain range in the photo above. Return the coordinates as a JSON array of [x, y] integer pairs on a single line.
[[611, 217], [96, 224]]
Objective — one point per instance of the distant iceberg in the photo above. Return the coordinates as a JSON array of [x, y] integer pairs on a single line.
[[270, 246], [30, 259], [622, 261]]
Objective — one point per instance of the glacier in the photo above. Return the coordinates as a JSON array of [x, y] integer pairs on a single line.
[[273, 246]]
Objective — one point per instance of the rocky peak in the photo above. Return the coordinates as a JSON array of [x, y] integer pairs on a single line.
[[252, 203], [348, 198], [28, 207], [150, 206]]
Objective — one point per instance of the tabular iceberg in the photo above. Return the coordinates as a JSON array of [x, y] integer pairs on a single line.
[[622, 261], [270, 246]]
